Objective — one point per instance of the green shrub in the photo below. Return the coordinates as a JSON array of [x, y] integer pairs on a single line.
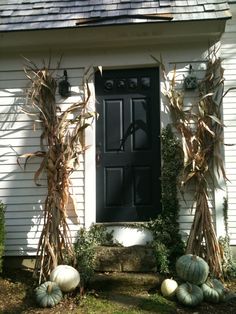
[[85, 249], [167, 243], [2, 233], [228, 263]]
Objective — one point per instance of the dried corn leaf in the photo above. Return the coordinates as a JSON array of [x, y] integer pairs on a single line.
[[63, 141], [201, 130]]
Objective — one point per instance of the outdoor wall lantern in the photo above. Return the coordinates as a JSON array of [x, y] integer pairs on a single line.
[[190, 81], [64, 86]]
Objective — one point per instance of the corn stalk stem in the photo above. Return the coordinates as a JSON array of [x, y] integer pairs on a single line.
[[62, 142], [201, 130]]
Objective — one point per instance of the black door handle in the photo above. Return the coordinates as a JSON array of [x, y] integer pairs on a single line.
[[98, 155]]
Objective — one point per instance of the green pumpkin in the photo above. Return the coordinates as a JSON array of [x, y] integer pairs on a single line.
[[219, 287], [189, 294], [192, 268], [48, 294], [210, 293]]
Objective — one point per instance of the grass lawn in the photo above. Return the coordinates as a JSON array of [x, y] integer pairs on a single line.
[[111, 293]]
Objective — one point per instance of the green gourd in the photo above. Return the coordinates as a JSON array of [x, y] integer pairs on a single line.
[[48, 294], [219, 287], [189, 294], [210, 293], [192, 268]]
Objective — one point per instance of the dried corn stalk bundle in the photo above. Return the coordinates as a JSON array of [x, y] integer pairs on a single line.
[[201, 130], [62, 142]]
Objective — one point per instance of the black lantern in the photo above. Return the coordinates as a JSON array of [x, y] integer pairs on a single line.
[[190, 81], [64, 86]]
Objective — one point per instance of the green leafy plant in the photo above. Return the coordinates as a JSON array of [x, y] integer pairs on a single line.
[[228, 264], [166, 247], [85, 250], [2, 233], [102, 236]]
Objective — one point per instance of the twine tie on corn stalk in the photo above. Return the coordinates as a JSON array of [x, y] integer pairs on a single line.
[[62, 142], [201, 130]]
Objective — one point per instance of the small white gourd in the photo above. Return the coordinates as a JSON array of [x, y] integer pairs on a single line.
[[168, 288], [67, 277]]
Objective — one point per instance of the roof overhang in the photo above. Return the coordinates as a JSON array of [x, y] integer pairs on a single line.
[[114, 36]]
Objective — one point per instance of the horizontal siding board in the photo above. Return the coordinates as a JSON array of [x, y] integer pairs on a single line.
[[34, 207], [30, 199], [21, 191], [10, 75], [22, 214], [10, 157], [35, 220], [34, 228], [14, 184], [21, 134], [23, 84], [33, 242], [29, 175], [33, 191]]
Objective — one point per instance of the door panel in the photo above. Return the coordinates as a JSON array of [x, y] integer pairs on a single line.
[[128, 145], [114, 186], [113, 110], [141, 121], [142, 178]]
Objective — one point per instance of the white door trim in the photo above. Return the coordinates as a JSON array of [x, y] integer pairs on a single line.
[[90, 166]]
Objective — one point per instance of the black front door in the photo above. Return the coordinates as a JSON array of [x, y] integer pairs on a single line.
[[127, 145]]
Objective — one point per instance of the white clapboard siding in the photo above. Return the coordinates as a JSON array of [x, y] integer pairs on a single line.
[[228, 54], [19, 134]]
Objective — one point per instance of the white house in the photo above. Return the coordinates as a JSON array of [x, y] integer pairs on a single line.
[[228, 45], [121, 36]]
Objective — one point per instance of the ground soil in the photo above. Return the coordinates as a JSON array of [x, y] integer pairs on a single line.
[[117, 293]]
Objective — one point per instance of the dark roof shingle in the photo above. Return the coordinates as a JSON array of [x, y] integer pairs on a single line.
[[49, 14]]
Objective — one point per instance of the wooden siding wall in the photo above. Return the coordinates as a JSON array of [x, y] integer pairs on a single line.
[[24, 200], [228, 53]]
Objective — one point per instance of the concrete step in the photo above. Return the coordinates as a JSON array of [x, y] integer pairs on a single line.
[[125, 259]]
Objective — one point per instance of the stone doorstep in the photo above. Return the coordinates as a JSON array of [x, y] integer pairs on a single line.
[[125, 259], [108, 259]]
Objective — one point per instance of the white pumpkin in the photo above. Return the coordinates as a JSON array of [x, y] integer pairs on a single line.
[[168, 288], [67, 277]]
